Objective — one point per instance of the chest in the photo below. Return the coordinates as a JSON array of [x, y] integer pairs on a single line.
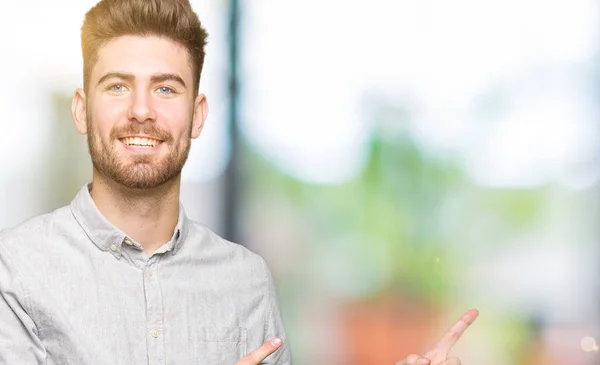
[[156, 313]]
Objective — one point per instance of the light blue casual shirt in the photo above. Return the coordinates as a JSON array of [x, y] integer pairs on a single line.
[[74, 289]]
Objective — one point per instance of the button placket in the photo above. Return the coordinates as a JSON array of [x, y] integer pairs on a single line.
[[154, 320]]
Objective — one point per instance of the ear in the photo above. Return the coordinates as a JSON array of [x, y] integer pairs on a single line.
[[200, 113], [78, 108]]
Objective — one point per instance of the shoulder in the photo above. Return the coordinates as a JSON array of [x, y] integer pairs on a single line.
[[33, 234], [216, 249], [23, 250]]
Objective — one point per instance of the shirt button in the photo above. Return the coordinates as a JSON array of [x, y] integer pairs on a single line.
[[128, 242], [150, 272], [155, 333], [113, 247]]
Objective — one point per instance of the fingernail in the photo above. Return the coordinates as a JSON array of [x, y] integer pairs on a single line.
[[423, 361], [276, 341]]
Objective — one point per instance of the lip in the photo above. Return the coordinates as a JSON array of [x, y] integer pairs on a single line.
[[140, 149], [141, 136]]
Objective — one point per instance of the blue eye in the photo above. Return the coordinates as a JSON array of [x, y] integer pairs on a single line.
[[117, 88], [165, 90]]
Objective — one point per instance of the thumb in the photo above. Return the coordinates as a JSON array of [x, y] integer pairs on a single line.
[[414, 359]]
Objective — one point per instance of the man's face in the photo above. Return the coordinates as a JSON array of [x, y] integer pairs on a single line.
[[140, 111]]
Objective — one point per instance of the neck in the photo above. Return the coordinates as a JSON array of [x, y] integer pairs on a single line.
[[149, 216]]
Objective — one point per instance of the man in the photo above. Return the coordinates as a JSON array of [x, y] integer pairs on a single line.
[[121, 275]]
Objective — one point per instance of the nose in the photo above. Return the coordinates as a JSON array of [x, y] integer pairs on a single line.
[[141, 109]]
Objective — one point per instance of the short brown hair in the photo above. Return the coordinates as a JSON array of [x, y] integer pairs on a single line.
[[174, 19]]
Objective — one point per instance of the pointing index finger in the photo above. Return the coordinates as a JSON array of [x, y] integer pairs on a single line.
[[257, 356], [442, 348]]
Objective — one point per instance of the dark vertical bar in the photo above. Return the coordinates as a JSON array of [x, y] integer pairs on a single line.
[[232, 189]]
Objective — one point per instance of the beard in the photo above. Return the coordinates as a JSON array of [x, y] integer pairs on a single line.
[[143, 171]]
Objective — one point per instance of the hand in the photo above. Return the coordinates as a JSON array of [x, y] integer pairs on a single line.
[[438, 355], [255, 357]]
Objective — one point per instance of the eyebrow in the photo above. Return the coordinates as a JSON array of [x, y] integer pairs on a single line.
[[153, 79]]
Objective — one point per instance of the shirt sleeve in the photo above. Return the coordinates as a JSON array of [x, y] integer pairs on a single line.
[[274, 327], [19, 341]]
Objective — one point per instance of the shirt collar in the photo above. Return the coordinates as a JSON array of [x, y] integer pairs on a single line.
[[108, 237]]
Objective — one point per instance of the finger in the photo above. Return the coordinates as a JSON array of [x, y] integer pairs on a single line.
[[414, 359], [255, 357], [442, 348], [452, 361]]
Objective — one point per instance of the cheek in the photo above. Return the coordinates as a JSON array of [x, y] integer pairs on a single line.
[[107, 114], [176, 116]]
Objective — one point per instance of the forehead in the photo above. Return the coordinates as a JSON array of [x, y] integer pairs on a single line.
[[142, 56]]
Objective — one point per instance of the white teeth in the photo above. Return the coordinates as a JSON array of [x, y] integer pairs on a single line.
[[140, 142]]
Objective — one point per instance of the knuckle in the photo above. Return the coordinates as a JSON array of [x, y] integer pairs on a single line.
[[454, 334], [412, 359]]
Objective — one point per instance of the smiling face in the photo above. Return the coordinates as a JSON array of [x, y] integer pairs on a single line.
[[140, 111]]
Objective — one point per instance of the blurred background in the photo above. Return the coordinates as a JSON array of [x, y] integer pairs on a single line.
[[395, 162]]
